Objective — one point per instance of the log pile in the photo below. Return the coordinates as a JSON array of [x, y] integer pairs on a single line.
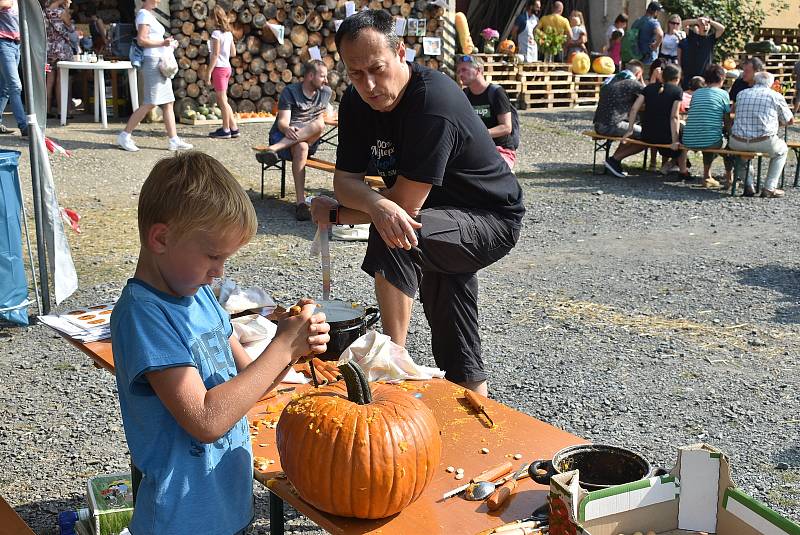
[[263, 66]]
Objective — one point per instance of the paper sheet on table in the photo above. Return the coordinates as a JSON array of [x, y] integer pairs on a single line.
[[383, 360], [314, 53]]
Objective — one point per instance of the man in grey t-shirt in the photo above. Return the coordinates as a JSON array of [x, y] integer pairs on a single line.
[[296, 131]]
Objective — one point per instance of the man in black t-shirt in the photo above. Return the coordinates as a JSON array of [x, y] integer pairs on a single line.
[[696, 51], [452, 205], [491, 104]]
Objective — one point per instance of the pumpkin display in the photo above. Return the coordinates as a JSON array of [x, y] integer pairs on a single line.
[[603, 65], [462, 30], [729, 64], [580, 63], [368, 452], [507, 47]]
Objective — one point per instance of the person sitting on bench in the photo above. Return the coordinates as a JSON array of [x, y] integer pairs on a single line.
[[296, 131], [759, 113], [710, 109]]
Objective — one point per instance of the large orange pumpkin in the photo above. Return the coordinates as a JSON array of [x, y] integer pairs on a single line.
[[507, 47], [368, 452], [603, 65]]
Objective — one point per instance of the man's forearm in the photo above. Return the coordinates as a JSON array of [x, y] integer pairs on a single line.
[[352, 192]]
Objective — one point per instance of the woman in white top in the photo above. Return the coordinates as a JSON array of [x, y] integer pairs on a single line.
[[222, 49], [673, 36], [578, 41], [157, 88]]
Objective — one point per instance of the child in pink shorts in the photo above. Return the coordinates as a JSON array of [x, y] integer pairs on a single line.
[[221, 49]]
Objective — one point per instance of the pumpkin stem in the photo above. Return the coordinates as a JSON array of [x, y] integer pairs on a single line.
[[358, 390]]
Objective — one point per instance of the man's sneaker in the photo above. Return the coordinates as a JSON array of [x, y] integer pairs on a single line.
[[220, 133], [234, 132], [24, 132], [615, 167], [302, 212], [5, 130], [772, 193], [125, 141], [267, 157], [179, 144]]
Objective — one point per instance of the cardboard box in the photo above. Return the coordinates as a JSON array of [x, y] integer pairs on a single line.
[[697, 496], [110, 499]]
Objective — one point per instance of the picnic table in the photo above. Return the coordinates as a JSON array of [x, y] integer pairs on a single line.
[[10, 521], [464, 434]]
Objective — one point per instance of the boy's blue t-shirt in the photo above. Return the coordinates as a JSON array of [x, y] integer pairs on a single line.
[[187, 486]]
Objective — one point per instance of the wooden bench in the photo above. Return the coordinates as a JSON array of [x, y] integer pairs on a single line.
[[794, 146], [314, 163], [10, 521], [602, 143]]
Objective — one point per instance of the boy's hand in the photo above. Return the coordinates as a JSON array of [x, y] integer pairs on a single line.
[[304, 331]]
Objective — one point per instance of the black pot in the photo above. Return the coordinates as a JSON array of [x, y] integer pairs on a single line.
[[600, 466], [348, 322]]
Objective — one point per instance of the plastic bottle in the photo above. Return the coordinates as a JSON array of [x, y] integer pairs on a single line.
[[67, 520]]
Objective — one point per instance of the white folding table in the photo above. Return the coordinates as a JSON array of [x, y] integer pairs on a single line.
[[99, 85]]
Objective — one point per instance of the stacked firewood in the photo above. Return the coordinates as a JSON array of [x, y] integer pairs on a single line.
[[263, 66]]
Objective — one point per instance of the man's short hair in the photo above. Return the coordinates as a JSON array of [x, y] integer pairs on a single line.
[[376, 19], [671, 73], [764, 78], [622, 17], [312, 65], [714, 74], [634, 65], [194, 191], [475, 61], [754, 62], [697, 82]]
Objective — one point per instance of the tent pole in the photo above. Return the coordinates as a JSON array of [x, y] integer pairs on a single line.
[[27, 72]]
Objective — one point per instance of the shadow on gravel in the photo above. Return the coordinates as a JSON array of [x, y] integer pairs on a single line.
[[644, 186], [276, 217], [779, 279], [790, 456], [42, 517]]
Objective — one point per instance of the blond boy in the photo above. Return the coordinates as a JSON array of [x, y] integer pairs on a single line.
[[184, 382]]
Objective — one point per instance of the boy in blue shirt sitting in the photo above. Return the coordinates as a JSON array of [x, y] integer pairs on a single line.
[[185, 383]]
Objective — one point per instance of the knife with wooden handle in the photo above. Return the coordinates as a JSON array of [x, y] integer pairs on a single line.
[[488, 475], [501, 493]]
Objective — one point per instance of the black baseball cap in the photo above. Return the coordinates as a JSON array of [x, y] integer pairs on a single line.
[[652, 7]]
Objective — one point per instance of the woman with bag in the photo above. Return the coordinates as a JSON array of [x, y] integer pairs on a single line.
[[221, 48], [157, 86]]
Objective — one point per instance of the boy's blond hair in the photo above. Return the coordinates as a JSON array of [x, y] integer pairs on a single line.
[[193, 191]]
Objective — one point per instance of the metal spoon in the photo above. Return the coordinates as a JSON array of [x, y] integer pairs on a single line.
[[479, 490]]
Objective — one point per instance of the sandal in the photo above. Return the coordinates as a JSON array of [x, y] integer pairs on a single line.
[[5, 130]]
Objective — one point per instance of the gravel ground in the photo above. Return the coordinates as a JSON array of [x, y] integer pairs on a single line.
[[633, 311]]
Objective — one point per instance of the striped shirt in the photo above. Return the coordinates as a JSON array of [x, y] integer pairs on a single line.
[[704, 123], [759, 111]]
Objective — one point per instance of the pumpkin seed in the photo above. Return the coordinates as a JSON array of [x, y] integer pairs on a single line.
[[517, 456], [459, 470], [450, 469], [460, 476], [484, 450]]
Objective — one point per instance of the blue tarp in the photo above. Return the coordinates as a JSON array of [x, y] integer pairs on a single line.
[[13, 284]]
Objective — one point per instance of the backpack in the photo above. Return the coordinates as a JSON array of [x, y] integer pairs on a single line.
[[514, 118], [630, 43]]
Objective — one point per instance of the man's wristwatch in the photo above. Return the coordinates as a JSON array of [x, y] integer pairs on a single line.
[[334, 216]]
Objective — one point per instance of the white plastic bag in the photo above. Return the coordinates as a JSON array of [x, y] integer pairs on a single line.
[[255, 332], [383, 360], [168, 65]]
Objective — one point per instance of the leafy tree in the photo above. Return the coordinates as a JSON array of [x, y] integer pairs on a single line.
[[741, 18]]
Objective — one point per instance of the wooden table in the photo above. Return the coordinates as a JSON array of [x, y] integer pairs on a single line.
[[99, 85], [464, 434], [10, 521]]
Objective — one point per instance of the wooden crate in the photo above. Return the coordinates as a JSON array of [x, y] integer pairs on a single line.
[[587, 89], [789, 36]]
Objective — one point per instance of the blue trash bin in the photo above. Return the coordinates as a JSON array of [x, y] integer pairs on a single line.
[[13, 284]]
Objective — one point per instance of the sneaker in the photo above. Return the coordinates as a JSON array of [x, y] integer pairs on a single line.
[[267, 157], [772, 193], [125, 141], [668, 168], [179, 145], [234, 132], [220, 133], [749, 191], [302, 212], [615, 167], [710, 183], [24, 131], [5, 130]]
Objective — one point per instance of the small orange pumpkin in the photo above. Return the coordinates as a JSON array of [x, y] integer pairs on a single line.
[[729, 64], [603, 65], [507, 47], [579, 62], [368, 454]]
